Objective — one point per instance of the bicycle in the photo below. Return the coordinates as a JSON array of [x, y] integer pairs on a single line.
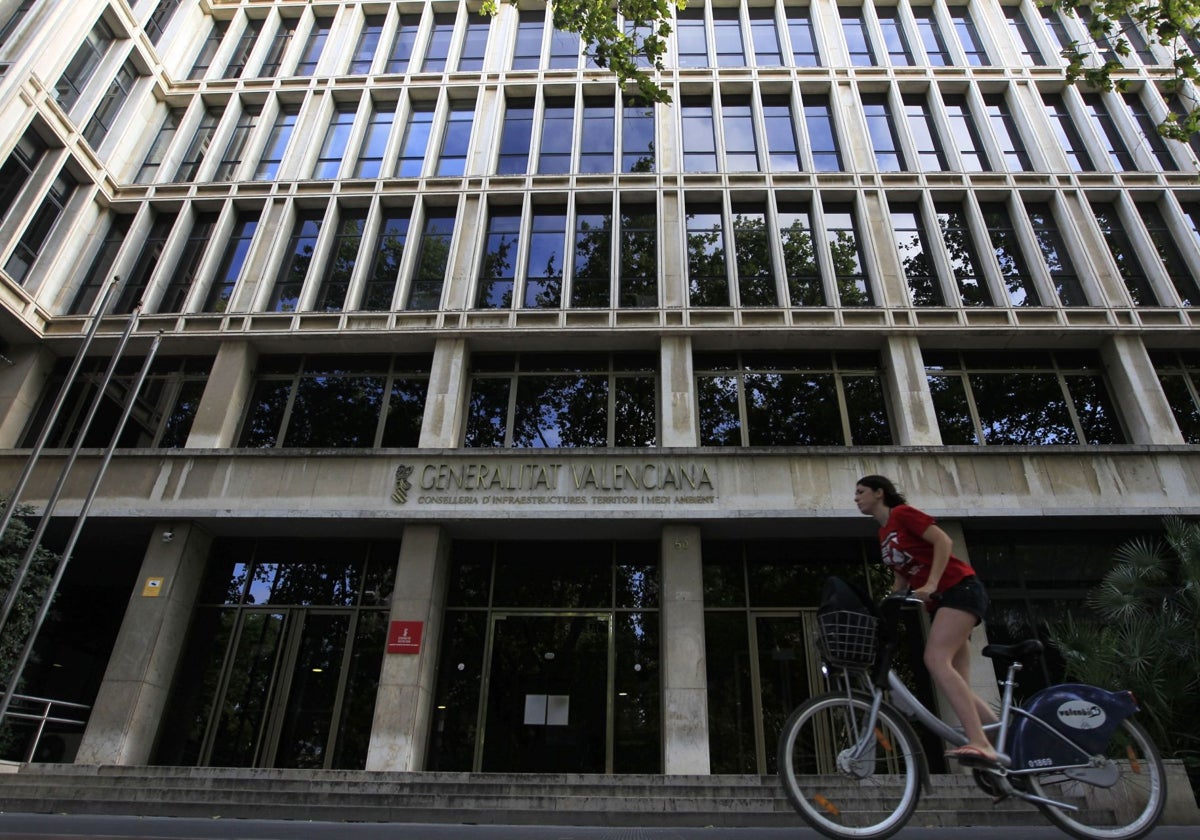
[[853, 767]]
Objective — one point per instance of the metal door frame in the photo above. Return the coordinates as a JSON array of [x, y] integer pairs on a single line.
[[808, 623]]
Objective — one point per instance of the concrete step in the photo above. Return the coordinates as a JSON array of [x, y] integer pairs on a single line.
[[493, 798]]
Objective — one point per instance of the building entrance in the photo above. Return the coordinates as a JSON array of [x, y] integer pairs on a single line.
[[547, 686]]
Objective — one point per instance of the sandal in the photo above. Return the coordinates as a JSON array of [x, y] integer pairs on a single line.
[[971, 756]]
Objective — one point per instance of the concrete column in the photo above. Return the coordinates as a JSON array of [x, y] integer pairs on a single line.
[[404, 703], [442, 423], [128, 711], [983, 676], [685, 683], [1137, 391], [679, 423], [22, 381], [908, 389], [882, 262], [229, 387]]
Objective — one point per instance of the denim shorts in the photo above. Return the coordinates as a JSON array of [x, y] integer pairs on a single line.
[[967, 595]]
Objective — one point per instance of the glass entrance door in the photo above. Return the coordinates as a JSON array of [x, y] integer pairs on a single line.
[[547, 687], [282, 689], [782, 675]]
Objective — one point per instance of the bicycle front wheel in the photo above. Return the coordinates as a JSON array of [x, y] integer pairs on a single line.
[[838, 790], [1120, 801]]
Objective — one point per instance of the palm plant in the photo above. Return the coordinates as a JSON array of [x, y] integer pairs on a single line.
[[1143, 634]]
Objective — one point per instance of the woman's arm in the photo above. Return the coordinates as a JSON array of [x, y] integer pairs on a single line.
[[942, 544]]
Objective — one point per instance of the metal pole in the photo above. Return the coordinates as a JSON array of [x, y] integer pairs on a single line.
[[79, 520], [58, 404], [34, 541]]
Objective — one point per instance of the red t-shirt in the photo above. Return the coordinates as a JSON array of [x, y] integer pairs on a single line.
[[906, 553]]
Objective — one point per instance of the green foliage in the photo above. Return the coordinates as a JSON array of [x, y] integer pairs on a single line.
[[630, 52], [12, 548], [1143, 634], [1167, 23]]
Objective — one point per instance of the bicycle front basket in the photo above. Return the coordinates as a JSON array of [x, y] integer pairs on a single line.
[[848, 638]]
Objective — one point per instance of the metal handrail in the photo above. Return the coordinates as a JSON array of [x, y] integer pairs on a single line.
[[47, 705]]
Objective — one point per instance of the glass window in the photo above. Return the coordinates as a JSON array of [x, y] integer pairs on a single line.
[[558, 137], [1148, 126], [564, 50], [110, 106], [289, 282], [708, 278], [782, 148], [15, 173], [727, 37], [474, 44], [1110, 136], [273, 61], [370, 153], [1068, 136], [741, 147], [849, 270], [790, 399], [1173, 261], [936, 51], [966, 136], [433, 259], [1179, 374], [337, 134], [690, 39], [638, 255], [208, 50], [964, 260], [930, 156], [339, 266], [591, 263], [882, 131], [1004, 127], [99, 271], [637, 136], [83, 65], [14, 20], [245, 45], [385, 268], [752, 259], [546, 258], [452, 160], [498, 270], [516, 138], [231, 159], [1132, 33], [311, 57], [402, 45], [1031, 54], [193, 159], [968, 36], [416, 140], [1057, 30], [800, 257], [599, 136], [858, 45], [569, 401], [1006, 246], [1022, 398], [237, 247], [1124, 253], [699, 137], [1055, 255], [277, 143], [153, 244], [437, 52], [894, 40], [158, 149], [368, 43], [800, 33], [923, 286], [38, 231], [180, 279], [527, 54], [765, 37], [822, 136]]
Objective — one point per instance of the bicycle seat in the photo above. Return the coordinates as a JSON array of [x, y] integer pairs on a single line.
[[1021, 650]]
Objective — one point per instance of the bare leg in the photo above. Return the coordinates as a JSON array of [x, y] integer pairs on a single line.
[[947, 657], [962, 664]]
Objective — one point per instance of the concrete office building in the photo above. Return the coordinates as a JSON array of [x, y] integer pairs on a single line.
[[501, 421]]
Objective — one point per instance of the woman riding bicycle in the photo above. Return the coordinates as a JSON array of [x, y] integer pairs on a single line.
[[919, 555]]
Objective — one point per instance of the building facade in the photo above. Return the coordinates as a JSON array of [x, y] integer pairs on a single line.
[[499, 420]]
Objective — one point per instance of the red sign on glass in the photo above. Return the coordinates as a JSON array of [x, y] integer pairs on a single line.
[[404, 637]]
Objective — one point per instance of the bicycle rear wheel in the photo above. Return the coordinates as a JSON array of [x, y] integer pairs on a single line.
[[870, 797], [1124, 810]]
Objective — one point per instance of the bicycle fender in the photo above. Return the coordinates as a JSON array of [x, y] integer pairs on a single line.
[[1086, 715]]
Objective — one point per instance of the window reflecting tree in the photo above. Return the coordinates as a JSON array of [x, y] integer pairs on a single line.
[[755, 271], [708, 280]]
